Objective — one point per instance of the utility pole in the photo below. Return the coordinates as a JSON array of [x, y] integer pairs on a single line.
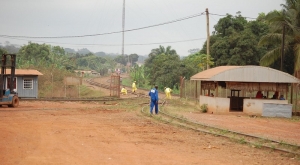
[[123, 27], [208, 38]]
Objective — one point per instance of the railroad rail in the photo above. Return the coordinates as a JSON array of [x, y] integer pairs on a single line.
[[91, 82], [243, 138]]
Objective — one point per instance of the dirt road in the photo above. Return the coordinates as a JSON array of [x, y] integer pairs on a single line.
[[64, 133]]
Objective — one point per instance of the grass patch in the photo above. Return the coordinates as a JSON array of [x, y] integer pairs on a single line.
[[128, 82], [86, 92], [204, 108], [223, 132]]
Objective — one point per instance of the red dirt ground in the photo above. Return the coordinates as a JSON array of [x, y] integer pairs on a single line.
[[59, 133], [279, 129]]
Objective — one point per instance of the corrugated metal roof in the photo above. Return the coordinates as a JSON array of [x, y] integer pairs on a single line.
[[25, 72], [245, 74]]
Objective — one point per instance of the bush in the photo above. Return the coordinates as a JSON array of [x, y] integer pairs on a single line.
[[203, 108]]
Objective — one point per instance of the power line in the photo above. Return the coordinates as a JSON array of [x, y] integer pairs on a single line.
[[91, 35], [227, 15], [155, 43]]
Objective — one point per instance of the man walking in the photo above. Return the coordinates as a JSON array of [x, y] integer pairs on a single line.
[[154, 99]]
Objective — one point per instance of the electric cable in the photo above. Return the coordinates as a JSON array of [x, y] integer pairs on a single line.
[[227, 15], [91, 35], [134, 44]]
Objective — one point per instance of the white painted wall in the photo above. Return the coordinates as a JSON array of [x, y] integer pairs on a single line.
[[255, 106], [216, 105]]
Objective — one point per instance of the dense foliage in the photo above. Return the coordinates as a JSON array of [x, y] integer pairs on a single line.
[[235, 41], [163, 67], [286, 21]]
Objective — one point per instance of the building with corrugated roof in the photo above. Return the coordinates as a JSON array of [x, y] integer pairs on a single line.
[[25, 83], [247, 89]]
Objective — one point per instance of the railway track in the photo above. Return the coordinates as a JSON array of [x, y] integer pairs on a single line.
[[91, 82], [243, 138], [106, 86]]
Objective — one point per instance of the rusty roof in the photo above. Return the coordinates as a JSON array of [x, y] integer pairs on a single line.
[[25, 72], [245, 74]]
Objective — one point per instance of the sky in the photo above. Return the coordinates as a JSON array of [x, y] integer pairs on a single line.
[[68, 23]]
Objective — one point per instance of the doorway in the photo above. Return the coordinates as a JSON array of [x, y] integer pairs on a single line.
[[236, 102]]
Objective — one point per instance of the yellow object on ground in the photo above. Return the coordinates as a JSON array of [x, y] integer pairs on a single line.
[[168, 93], [134, 87], [124, 91]]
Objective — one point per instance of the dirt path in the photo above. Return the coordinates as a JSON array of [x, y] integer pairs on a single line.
[[280, 129], [105, 80], [57, 133]]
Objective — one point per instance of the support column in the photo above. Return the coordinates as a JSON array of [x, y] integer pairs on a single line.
[[217, 90]]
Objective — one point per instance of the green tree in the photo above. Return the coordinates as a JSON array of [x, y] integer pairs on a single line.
[[195, 63], [163, 67], [289, 20], [234, 41], [133, 58], [2, 51], [137, 73], [121, 59], [33, 54]]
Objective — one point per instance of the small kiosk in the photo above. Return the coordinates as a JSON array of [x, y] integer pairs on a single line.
[[236, 88]]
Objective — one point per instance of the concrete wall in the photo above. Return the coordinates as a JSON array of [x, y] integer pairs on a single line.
[[255, 106], [277, 110], [216, 105]]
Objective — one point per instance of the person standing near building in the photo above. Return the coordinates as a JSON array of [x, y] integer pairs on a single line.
[[168, 92], [134, 87], [154, 99]]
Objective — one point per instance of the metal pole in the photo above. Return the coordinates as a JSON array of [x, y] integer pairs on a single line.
[[123, 27]]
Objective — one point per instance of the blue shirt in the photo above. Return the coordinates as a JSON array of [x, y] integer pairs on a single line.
[[153, 94]]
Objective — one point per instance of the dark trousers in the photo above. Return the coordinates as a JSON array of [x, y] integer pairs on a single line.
[[152, 105]]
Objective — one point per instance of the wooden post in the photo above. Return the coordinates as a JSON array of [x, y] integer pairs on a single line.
[[217, 91], [196, 93], [296, 98], [119, 84], [208, 38], [286, 95]]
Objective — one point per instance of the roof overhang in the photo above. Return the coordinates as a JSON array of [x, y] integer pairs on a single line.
[[29, 72], [245, 74]]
